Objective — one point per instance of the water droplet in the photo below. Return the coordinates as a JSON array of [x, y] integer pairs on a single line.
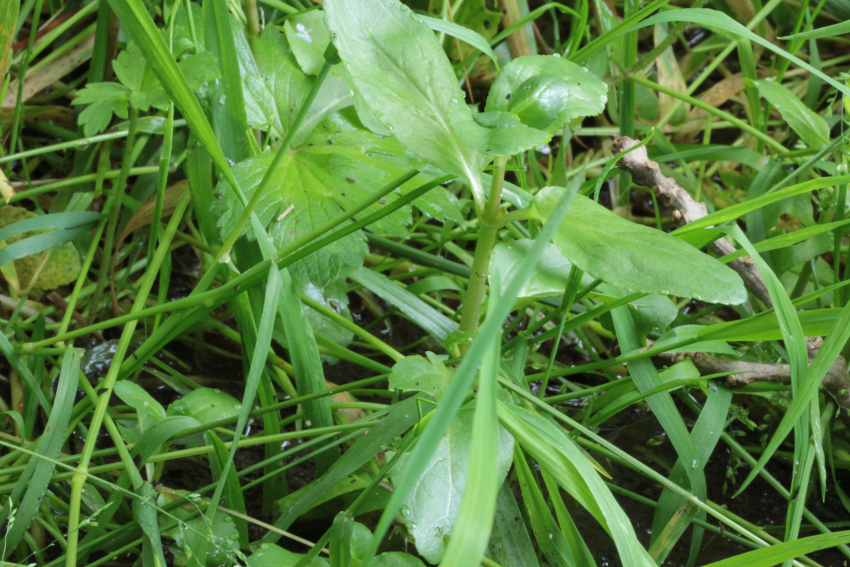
[[694, 464], [265, 546], [415, 18], [222, 99], [404, 8]]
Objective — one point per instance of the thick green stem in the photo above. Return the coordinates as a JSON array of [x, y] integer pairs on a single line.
[[483, 249]]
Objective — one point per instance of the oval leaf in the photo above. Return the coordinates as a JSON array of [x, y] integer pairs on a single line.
[[636, 257]]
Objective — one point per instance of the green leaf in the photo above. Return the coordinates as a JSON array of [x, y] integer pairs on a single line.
[[808, 124], [416, 373], [149, 410], [774, 554], [308, 38], [826, 31], [26, 248], [271, 555], [104, 100], [29, 489], [402, 73], [205, 405], [548, 278], [635, 257], [432, 321], [339, 166], [221, 534], [283, 79], [495, 133], [549, 90], [510, 544], [431, 509], [540, 100]]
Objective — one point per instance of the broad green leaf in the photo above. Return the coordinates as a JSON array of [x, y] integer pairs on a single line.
[[400, 69], [336, 168], [416, 373], [334, 95], [495, 133], [549, 277], [635, 257], [26, 249], [308, 38], [431, 509], [808, 124], [538, 98], [271, 555], [650, 313]]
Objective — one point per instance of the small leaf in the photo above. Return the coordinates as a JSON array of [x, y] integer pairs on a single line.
[[420, 374], [495, 133], [585, 94], [808, 124], [308, 38], [222, 537], [635, 257], [104, 100]]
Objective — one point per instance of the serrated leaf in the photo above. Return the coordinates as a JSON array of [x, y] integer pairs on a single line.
[[416, 373], [339, 165], [808, 124], [308, 38], [403, 74], [635, 257], [431, 509], [495, 133], [586, 94], [104, 100]]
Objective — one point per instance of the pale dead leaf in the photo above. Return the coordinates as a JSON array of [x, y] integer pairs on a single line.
[[716, 96]]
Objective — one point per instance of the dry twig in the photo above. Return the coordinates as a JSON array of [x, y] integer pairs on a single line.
[[646, 173]]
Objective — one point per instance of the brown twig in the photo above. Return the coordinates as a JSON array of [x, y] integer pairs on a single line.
[[836, 381], [646, 173]]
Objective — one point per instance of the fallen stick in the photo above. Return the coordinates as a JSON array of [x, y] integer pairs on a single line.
[[646, 173], [836, 381]]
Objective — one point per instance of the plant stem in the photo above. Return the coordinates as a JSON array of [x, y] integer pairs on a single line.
[[114, 215], [483, 249]]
